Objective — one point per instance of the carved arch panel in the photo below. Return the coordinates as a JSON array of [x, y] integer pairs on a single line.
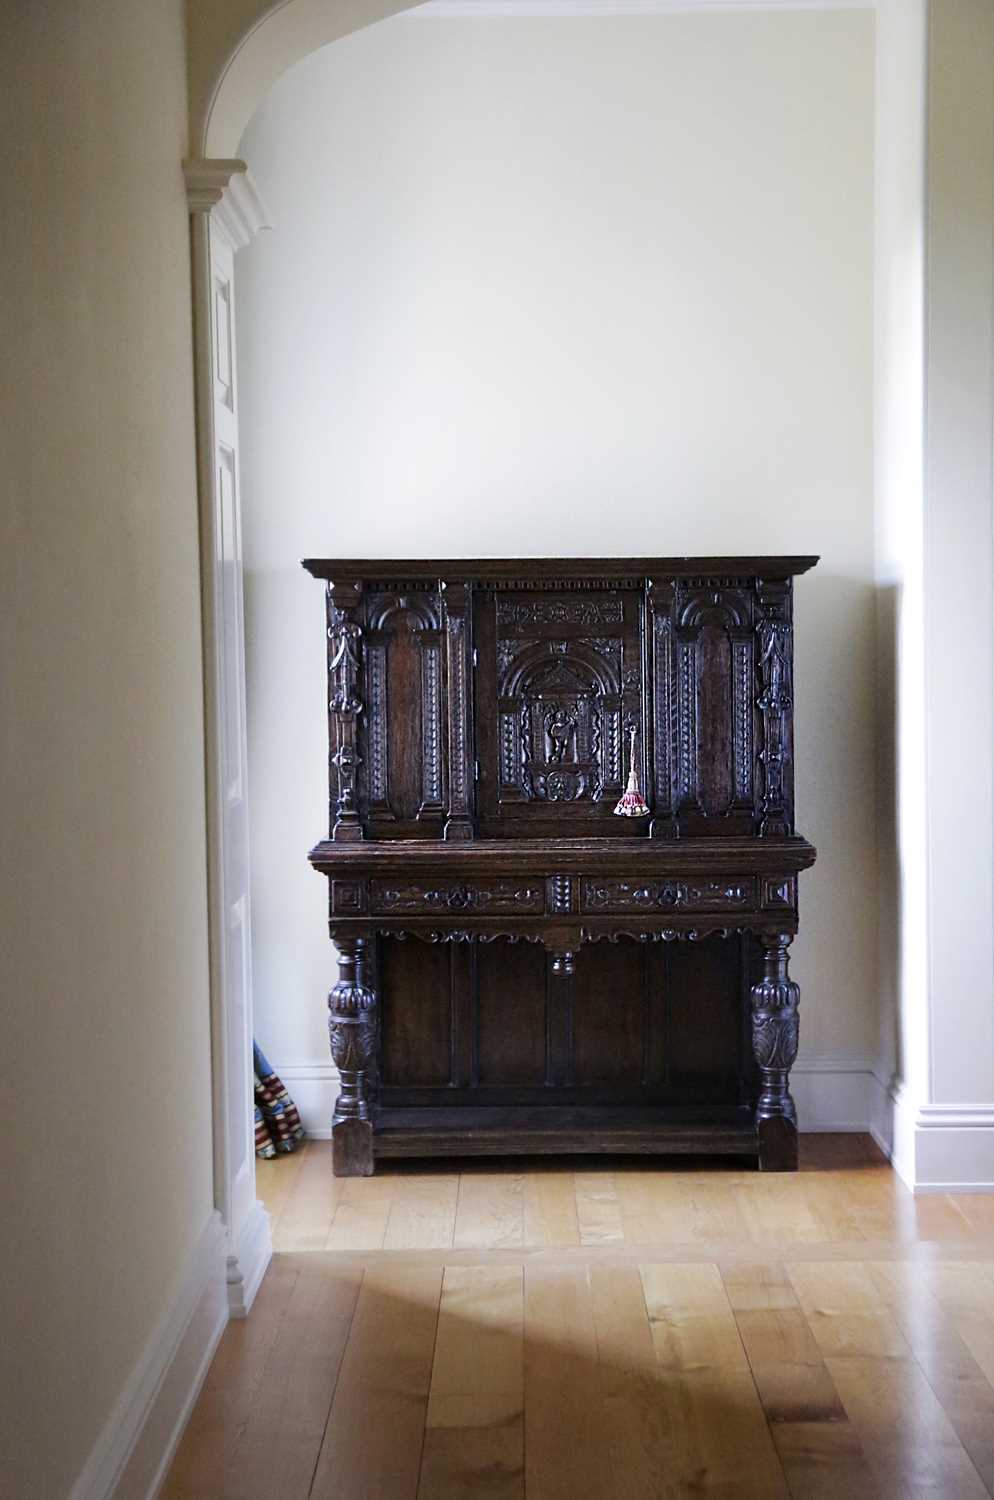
[[714, 706], [403, 769], [561, 680]]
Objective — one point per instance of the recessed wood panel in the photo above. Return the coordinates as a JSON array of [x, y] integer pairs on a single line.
[[511, 1013], [404, 721], [416, 1013], [703, 1022], [610, 1022], [714, 719]]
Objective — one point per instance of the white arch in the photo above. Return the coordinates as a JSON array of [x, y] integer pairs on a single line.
[[236, 50]]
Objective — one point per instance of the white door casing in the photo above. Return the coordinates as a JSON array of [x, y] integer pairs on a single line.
[[226, 213]]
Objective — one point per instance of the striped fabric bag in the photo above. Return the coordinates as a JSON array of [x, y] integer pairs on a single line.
[[277, 1123]]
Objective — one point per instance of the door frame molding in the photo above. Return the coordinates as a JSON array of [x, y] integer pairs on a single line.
[[226, 213]]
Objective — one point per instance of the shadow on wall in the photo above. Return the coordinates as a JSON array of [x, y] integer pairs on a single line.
[[835, 794], [888, 615]]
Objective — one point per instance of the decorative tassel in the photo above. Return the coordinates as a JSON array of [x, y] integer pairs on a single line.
[[632, 804]]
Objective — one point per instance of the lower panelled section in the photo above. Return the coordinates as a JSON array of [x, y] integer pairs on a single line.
[[635, 1026], [536, 1130]]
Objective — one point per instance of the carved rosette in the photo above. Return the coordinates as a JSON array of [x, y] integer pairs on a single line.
[[352, 1032], [775, 1029]]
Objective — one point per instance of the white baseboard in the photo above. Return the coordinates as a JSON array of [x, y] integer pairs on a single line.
[[133, 1453], [247, 1260], [934, 1148], [833, 1092], [313, 1087], [943, 1148]]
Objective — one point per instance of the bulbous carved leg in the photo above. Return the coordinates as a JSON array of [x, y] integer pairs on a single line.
[[774, 1045], [352, 1034]]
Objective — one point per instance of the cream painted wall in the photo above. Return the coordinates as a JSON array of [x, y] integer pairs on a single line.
[[900, 345], [106, 1181], [602, 285]]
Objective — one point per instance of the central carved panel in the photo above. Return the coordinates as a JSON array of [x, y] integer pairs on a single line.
[[566, 686], [560, 717]]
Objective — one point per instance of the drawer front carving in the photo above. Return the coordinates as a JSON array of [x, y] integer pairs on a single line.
[[480, 897], [736, 893]]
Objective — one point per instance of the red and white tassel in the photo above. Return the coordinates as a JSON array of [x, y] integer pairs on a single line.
[[632, 804]]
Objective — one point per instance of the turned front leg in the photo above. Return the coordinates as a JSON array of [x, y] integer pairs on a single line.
[[352, 1034], [774, 1045]]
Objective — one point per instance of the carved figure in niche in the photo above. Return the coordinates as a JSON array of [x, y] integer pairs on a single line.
[[560, 729], [773, 665]]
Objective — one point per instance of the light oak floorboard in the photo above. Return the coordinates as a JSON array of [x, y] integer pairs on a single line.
[[372, 1445], [565, 1456], [422, 1213], [597, 1209], [524, 1331], [490, 1211], [474, 1441], [550, 1209]]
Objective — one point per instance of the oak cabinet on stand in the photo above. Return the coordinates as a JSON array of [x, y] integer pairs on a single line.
[[520, 970]]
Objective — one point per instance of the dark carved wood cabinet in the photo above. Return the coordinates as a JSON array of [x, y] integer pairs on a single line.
[[520, 970]]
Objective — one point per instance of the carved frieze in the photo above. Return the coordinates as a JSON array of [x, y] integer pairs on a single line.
[[666, 895], [487, 898], [560, 612]]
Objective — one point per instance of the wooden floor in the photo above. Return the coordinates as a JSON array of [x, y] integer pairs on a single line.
[[624, 1330]]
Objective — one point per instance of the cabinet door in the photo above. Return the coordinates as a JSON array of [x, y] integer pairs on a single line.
[[401, 750], [713, 696], [560, 683]]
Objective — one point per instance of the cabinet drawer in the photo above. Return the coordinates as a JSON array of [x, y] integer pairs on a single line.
[[484, 898], [737, 893]]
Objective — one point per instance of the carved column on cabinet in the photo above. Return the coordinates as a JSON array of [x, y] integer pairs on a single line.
[[344, 706], [660, 599], [459, 823], [774, 1044], [774, 653], [352, 1036]]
